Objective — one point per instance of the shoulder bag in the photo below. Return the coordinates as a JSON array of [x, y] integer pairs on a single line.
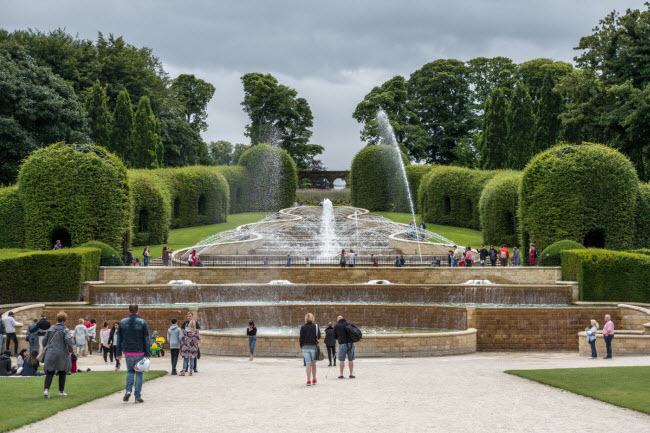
[[41, 356], [319, 353]]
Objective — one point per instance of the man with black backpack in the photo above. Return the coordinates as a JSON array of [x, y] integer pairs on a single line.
[[346, 334]]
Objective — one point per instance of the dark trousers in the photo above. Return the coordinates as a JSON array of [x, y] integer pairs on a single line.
[[196, 361], [175, 353], [493, 261], [12, 336], [594, 354], [331, 353], [50, 376], [608, 344]]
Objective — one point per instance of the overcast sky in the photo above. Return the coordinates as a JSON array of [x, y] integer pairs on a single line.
[[332, 52]]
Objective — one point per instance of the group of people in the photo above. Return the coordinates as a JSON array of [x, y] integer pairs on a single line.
[[464, 257], [608, 336], [413, 232], [348, 259], [184, 341]]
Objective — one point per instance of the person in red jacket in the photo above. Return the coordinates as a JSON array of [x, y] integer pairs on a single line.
[[504, 255]]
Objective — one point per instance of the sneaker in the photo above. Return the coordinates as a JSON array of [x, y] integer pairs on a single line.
[[127, 396], [314, 382], [46, 394], [196, 371], [139, 400], [341, 377], [351, 377], [62, 393], [309, 383], [174, 373]]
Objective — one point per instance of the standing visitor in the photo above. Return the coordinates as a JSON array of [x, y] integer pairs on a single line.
[[374, 261], [608, 335], [91, 325], [423, 229], [330, 343], [591, 338], [397, 261], [80, 335], [458, 255], [252, 338], [128, 260], [532, 255], [266, 262], [190, 347], [309, 336], [174, 337], [133, 342], [504, 255], [165, 256], [2, 333], [516, 257], [146, 255], [113, 345], [493, 255], [352, 259], [43, 326], [186, 324], [346, 347], [468, 257], [342, 259], [104, 336], [288, 263], [32, 335], [402, 262], [483, 255], [58, 347], [10, 331], [307, 264], [452, 261]]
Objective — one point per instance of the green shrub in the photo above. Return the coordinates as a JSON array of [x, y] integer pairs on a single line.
[[238, 185], [272, 177], [152, 210], [414, 174], [376, 180], [199, 195], [498, 209], [27, 276], [608, 276], [450, 196], [642, 217], [109, 256], [11, 218], [552, 255], [74, 193], [311, 197], [585, 193], [644, 251]]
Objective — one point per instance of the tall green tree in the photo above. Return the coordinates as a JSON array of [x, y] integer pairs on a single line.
[[535, 73], [492, 144], [182, 142], [121, 137], [521, 128], [278, 116], [548, 126], [487, 73], [147, 146], [194, 94], [221, 152], [98, 116]]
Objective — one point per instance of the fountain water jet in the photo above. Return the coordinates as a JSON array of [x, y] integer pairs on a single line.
[[327, 231]]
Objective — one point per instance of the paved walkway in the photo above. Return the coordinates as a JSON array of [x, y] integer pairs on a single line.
[[468, 393]]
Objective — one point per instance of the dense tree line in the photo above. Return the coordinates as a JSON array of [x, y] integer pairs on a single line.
[[493, 113]]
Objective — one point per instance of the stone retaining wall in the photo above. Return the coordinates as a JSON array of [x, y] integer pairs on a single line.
[[624, 343], [632, 317]]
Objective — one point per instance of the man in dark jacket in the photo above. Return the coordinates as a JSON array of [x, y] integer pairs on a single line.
[[5, 364], [483, 255], [330, 343], [346, 347], [190, 317], [43, 326], [133, 341], [493, 255]]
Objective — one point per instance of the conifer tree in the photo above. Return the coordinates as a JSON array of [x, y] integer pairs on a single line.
[[492, 142], [98, 115], [549, 108], [521, 128], [147, 147], [122, 128]]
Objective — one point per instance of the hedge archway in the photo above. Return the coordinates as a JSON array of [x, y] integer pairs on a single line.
[[585, 193], [238, 184], [150, 200], [498, 209]]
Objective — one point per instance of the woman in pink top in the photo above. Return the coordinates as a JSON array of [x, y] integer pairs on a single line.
[[468, 257]]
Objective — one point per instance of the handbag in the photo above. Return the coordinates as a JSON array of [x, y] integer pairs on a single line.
[[41, 356], [319, 353]]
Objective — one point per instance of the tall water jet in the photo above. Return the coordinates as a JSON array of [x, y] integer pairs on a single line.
[[327, 230], [388, 137]]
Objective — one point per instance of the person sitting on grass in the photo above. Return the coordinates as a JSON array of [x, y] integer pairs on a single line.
[[5, 364], [30, 367]]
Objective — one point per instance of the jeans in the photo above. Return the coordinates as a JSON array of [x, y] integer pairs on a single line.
[[608, 344], [12, 336], [190, 361], [594, 354], [252, 339], [331, 353], [40, 342], [346, 349], [309, 354], [131, 361], [174, 353], [33, 342], [50, 375], [453, 263]]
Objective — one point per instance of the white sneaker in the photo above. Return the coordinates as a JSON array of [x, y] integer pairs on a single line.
[[89, 355], [46, 394], [61, 393]]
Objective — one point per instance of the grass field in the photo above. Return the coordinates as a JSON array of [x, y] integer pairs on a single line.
[[459, 236], [22, 402], [622, 386]]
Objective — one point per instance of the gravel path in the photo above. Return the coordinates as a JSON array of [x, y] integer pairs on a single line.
[[467, 393]]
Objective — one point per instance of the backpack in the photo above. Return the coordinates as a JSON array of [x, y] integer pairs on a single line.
[[503, 255], [536, 254], [354, 333]]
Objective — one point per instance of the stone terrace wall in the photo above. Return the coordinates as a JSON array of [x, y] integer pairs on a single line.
[[332, 275], [525, 329], [632, 317], [624, 343]]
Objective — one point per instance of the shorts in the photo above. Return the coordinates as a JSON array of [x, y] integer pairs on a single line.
[[346, 349], [309, 354], [81, 346]]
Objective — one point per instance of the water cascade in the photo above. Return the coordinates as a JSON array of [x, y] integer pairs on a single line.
[[327, 230]]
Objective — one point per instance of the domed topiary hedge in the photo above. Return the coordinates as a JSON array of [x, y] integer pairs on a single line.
[[109, 255], [585, 193], [642, 218], [450, 196], [11, 218], [498, 209], [199, 195], [552, 255], [74, 193], [238, 184], [415, 173], [151, 204], [272, 176], [376, 179]]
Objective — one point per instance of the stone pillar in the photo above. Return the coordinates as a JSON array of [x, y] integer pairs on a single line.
[[471, 320], [646, 331]]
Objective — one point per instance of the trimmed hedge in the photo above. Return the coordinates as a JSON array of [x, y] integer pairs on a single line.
[[26, 276], [642, 218], [608, 276], [238, 184], [151, 207], [109, 256], [12, 231], [415, 173], [585, 193], [450, 196], [199, 195], [376, 180], [76, 190], [498, 209], [272, 177], [552, 255]]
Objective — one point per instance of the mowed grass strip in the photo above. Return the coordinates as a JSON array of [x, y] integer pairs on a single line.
[[22, 402], [627, 387], [458, 235]]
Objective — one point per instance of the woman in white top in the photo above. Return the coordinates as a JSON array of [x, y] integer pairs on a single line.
[[104, 336], [591, 338], [80, 335]]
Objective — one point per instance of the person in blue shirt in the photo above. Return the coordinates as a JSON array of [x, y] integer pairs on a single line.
[[288, 260]]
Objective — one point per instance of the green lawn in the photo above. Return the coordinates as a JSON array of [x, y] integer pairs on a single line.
[[459, 236], [190, 236], [22, 402], [621, 386]]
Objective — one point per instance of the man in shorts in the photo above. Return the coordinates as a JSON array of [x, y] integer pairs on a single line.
[[346, 347]]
